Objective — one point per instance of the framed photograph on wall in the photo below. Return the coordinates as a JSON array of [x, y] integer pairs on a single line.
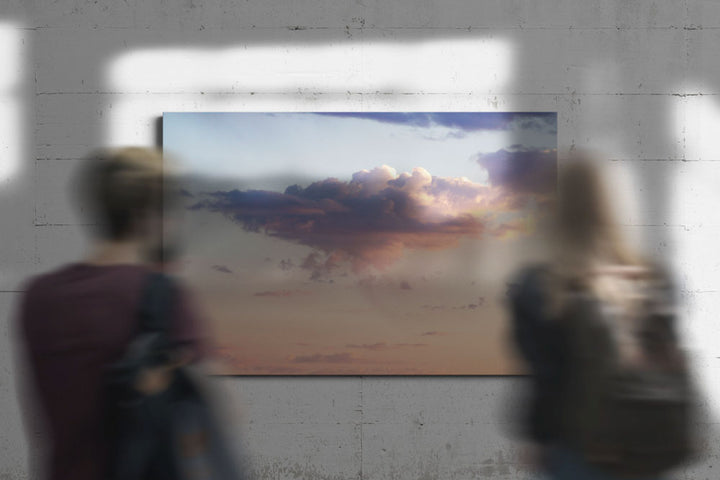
[[353, 243]]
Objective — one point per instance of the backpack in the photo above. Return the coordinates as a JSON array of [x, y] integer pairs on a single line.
[[171, 435], [629, 402]]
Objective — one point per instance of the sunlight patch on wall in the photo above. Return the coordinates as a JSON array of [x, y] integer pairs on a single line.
[[10, 111], [695, 211], [701, 127], [296, 77]]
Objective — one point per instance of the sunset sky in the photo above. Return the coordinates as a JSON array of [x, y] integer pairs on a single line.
[[360, 243]]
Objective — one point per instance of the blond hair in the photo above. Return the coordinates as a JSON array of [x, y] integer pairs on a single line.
[[587, 234], [121, 186], [588, 250]]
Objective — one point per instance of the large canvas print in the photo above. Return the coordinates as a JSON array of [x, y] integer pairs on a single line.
[[360, 243]]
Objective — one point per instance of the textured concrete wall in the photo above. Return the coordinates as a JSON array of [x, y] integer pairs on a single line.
[[637, 80]]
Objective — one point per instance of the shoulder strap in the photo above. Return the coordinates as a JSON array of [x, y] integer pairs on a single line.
[[156, 302]]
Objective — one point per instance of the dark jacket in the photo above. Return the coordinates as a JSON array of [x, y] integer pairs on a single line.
[[541, 342], [74, 322]]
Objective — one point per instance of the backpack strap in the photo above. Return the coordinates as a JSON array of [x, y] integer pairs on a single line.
[[154, 312], [156, 303]]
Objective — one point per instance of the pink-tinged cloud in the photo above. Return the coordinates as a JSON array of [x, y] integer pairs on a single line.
[[227, 355], [372, 347], [371, 220], [321, 267], [282, 293], [322, 358], [382, 346]]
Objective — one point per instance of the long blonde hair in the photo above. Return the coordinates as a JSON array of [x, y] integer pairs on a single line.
[[587, 248], [586, 233]]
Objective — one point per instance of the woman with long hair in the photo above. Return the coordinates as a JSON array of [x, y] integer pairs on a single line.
[[591, 321]]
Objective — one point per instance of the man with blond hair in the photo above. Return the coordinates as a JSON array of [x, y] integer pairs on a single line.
[[76, 320]]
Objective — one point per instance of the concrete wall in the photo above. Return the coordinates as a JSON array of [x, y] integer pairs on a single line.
[[637, 80]]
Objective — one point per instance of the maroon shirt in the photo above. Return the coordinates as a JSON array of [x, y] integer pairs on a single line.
[[74, 321]]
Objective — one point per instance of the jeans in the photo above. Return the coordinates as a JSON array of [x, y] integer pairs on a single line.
[[564, 463]]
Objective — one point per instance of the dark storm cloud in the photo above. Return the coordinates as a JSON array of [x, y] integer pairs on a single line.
[[522, 170], [463, 121]]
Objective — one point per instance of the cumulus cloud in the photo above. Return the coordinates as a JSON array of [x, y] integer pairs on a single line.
[[371, 219], [522, 170]]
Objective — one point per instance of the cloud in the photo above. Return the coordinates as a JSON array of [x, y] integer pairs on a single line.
[[462, 121], [433, 307], [286, 265], [509, 229], [221, 268], [226, 354], [522, 170], [281, 293], [376, 347], [321, 358], [321, 267], [367, 221], [373, 347], [466, 306]]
